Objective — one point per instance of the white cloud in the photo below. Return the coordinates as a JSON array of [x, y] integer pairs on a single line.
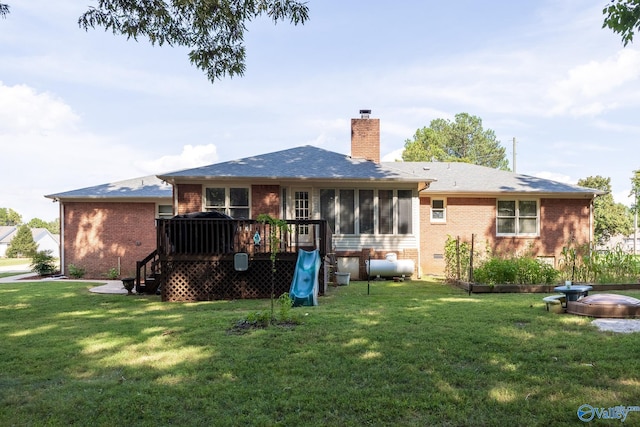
[[22, 110], [393, 156], [45, 151], [191, 157], [590, 88], [623, 197]]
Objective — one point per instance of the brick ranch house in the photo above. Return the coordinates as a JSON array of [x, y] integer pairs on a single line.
[[372, 207]]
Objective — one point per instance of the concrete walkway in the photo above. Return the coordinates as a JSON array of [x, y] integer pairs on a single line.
[[103, 286]]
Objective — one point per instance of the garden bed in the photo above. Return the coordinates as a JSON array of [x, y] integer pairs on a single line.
[[476, 288]]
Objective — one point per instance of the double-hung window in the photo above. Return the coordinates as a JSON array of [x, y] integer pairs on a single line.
[[232, 201], [517, 218], [438, 212]]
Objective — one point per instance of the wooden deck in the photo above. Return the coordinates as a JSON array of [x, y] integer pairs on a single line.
[[195, 258]]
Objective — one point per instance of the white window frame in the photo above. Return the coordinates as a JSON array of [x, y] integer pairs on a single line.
[[356, 211], [517, 217], [227, 199], [164, 215], [443, 209]]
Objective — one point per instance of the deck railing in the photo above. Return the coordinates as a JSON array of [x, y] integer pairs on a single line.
[[207, 237], [194, 259]]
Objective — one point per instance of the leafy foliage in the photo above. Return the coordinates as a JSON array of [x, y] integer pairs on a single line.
[[113, 273], [623, 18], [456, 255], [76, 272], [213, 29], [263, 319], [52, 226], [585, 264], [463, 140], [516, 270], [277, 227], [610, 218], [22, 245], [10, 217], [4, 10], [43, 263]]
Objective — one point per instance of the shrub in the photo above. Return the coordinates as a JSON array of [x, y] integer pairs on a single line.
[[43, 263], [520, 270], [113, 274], [585, 264], [76, 272]]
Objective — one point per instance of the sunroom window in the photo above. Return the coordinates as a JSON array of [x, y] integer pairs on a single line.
[[367, 211]]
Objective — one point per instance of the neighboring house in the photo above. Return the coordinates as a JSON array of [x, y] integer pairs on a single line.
[[6, 234], [44, 239], [372, 207], [111, 225]]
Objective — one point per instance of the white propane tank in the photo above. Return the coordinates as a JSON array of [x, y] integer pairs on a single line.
[[391, 266]]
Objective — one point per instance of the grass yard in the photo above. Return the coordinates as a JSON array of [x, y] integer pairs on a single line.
[[7, 262], [412, 353]]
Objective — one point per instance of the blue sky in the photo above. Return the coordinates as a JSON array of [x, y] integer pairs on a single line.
[[85, 108]]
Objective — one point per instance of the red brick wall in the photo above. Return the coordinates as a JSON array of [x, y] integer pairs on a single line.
[[265, 199], [365, 139], [189, 198], [98, 234], [560, 221]]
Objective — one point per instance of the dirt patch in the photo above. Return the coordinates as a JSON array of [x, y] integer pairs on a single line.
[[625, 326], [244, 326]]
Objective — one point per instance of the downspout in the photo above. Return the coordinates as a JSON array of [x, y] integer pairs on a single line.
[[61, 247], [591, 232]]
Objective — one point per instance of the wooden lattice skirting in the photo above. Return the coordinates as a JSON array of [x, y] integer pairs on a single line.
[[215, 278]]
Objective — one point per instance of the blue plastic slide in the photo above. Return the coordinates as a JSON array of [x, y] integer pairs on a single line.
[[304, 286]]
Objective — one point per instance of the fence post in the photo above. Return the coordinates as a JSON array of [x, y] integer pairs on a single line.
[[473, 236], [458, 273]]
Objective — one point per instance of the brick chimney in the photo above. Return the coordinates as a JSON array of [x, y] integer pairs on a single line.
[[365, 137]]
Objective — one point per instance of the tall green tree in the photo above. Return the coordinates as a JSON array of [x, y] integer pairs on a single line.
[[52, 226], [635, 211], [212, 29], [610, 218], [10, 217], [623, 17], [22, 245], [461, 140], [635, 189]]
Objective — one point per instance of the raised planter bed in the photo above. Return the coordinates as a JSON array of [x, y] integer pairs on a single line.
[[486, 289]]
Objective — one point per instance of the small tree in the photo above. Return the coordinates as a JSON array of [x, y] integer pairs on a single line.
[[22, 245], [43, 262], [276, 228]]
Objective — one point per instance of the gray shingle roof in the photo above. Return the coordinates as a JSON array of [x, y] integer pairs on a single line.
[[306, 162], [468, 178], [144, 187], [313, 163]]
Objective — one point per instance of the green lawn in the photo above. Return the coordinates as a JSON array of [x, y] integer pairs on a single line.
[[6, 262], [411, 353], [10, 262]]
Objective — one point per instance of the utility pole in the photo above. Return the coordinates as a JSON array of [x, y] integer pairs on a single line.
[[514, 154], [635, 225]]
